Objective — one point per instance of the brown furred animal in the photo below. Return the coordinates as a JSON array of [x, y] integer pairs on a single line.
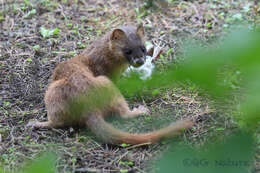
[[76, 78]]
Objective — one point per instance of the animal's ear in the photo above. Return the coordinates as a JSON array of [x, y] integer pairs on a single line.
[[140, 31], [117, 34]]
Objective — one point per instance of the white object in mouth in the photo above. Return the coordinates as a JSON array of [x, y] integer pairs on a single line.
[[145, 71]]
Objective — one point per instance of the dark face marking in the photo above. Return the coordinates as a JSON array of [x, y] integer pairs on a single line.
[[135, 51]]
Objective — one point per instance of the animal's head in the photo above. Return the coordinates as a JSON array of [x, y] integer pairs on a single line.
[[127, 43]]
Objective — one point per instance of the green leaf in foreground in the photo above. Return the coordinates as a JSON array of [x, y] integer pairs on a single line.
[[44, 164], [6, 103], [125, 145], [29, 59], [30, 13], [27, 2], [123, 170], [49, 33], [203, 67], [233, 155], [36, 47]]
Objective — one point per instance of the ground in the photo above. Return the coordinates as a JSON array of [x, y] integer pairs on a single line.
[[28, 55]]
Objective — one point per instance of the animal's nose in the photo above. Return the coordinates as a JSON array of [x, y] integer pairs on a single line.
[[140, 61]]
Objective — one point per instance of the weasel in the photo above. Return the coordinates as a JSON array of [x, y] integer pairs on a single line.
[[75, 78]]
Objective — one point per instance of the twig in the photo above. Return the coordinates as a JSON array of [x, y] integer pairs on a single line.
[[156, 50], [118, 159], [138, 145]]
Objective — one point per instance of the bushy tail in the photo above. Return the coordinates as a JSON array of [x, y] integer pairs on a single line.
[[111, 135]]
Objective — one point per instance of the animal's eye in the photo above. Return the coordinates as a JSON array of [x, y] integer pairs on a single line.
[[128, 51], [143, 49]]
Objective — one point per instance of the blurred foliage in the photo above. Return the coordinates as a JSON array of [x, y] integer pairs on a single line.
[[208, 69], [233, 155], [98, 98], [43, 164]]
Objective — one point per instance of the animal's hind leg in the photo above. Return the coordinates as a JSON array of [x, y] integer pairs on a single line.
[[119, 105]]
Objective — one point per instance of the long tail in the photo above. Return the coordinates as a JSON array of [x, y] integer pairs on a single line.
[[107, 133]]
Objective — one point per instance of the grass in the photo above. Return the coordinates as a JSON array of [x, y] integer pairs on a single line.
[[28, 56]]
